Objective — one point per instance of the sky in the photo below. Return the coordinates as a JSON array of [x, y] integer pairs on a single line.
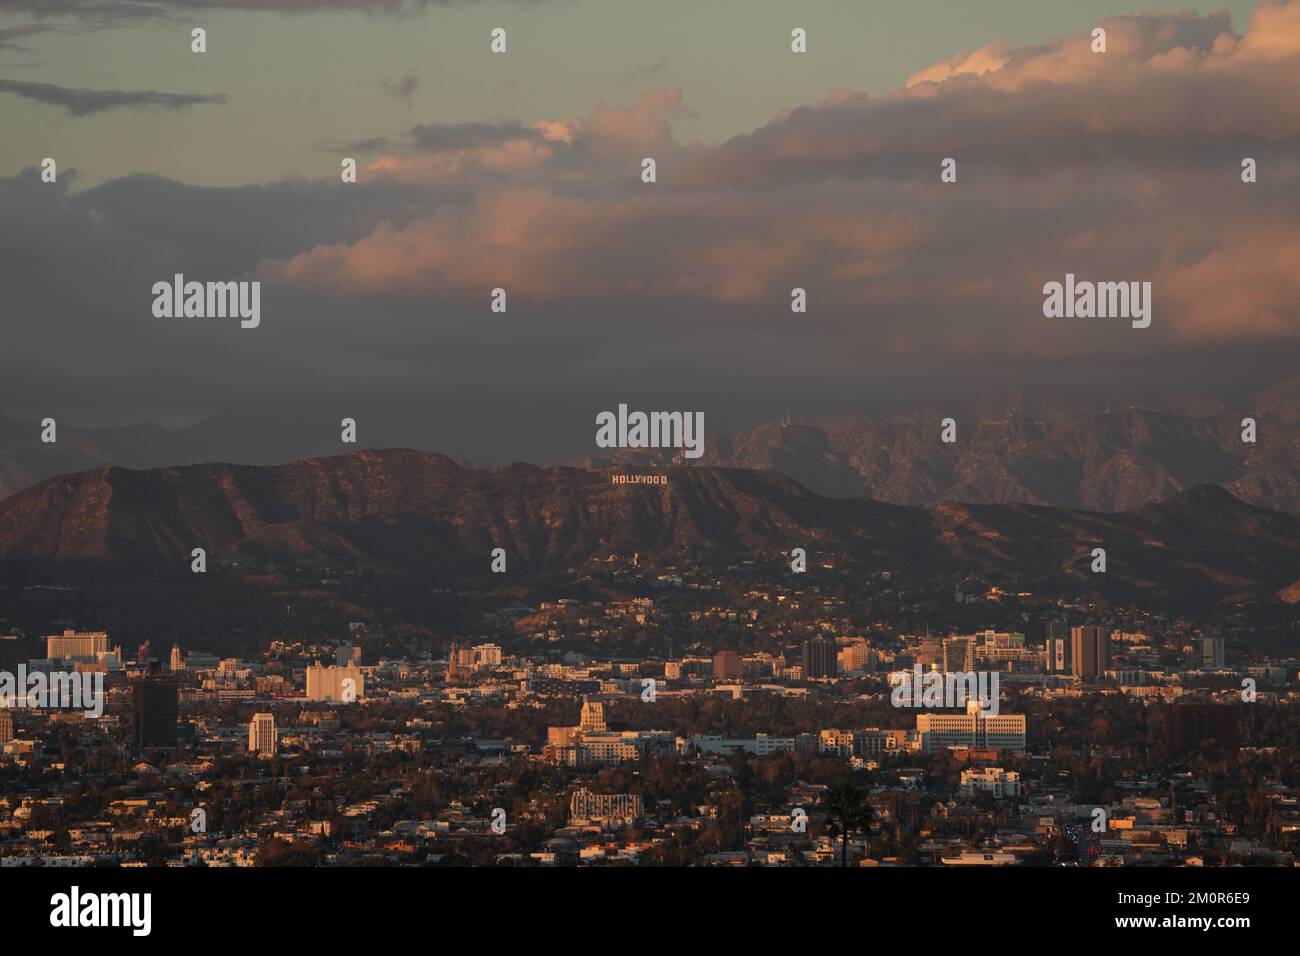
[[522, 170]]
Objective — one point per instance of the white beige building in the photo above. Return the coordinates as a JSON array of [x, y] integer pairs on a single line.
[[991, 780], [330, 683], [262, 737]]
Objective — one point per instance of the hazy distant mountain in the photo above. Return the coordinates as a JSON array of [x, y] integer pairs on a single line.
[[1105, 462], [1047, 450], [26, 460], [406, 510]]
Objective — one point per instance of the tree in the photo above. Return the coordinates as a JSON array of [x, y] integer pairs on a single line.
[[847, 812]]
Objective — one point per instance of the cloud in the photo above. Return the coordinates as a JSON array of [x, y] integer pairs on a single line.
[[1168, 88], [1246, 287], [1117, 166], [9, 34], [104, 12], [433, 154], [80, 102], [549, 248], [100, 12], [587, 153], [403, 88]]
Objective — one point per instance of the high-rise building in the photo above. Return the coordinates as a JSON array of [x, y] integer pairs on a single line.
[[1089, 651], [156, 712], [1059, 659], [593, 716], [262, 737], [727, 665], [1206, 724], [6, 725], [177, 660], [329, 683], [1213, 653], [857, 658], [487, 655], [72, 645], [959, 654], [818, 658]]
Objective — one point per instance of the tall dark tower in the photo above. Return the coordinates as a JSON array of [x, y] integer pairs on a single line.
[[156, 713], [818, 658], [1060, 649], [1090, 651]]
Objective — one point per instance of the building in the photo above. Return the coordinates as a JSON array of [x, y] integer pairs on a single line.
[[727, 665], [455, 671], [930, 654], [571, 747], [836, 742], [155, 712], [329, 683], [1090, 651], [994, 781], [958, 654], [177, 659], [1207, 725], [937, 732], [72, 645], [857, 658], [940, 731], [688, 668], [262, 737], [592, 719], [487, 655], [872, 741], [818, 658], [1058, 657], [6, 725], [616, 809], [1002, 640], [1213, 653]]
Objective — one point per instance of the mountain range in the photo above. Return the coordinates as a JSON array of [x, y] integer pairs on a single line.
[[1044, 450], [415, 511], [1111, 461]]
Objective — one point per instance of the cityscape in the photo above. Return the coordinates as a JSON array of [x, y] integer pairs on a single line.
[[537, 739], [454, 450]]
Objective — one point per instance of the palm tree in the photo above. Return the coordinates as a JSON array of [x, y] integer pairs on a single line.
[[847, 812]]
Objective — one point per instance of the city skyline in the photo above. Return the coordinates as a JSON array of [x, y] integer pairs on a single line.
[[555, 435]]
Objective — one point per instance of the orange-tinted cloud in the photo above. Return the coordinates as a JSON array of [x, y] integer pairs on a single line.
[[1122, 166]]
